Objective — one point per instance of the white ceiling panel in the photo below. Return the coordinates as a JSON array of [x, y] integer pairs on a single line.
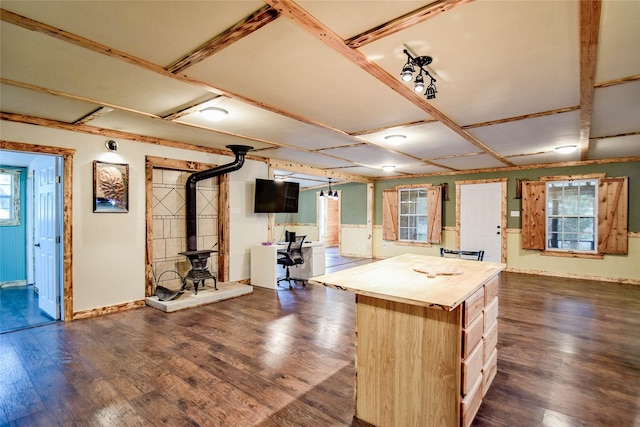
[[623, 146], [350, 18], [23, 101], [546, 158], [288, 68], [158, 31], [608, 101], [426, 141], [532, 135], [619, 40], [371, 156], [77, 71], [157, 128], [247, 120], [494, 59]]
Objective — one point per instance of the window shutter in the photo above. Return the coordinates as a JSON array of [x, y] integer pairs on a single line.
[[613, 194], [533, 215], [434, 213], [390, 215]]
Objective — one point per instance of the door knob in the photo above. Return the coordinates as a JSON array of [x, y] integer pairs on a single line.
[[37, 245]]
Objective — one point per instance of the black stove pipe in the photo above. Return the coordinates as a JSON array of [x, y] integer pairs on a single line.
[[192, 234]]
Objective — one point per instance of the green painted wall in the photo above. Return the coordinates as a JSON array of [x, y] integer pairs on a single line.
[[353, 206], [630, 170], [354, 195], [13, 240]]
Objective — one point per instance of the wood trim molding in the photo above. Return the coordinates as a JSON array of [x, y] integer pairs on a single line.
[[224, 228], [573, 276], [85, 314]]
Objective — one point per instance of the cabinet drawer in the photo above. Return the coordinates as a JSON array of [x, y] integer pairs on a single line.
[[491, 289], [472, 335], [473, 306], [489, 342], [471, 369], [471, 403], [491, 314], [489, 371]]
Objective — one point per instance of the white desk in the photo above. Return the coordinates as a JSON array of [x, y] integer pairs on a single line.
[[265, 269]]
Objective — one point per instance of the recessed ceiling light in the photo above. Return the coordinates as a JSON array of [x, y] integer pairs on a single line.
[[388, 168], [214, 114], [395, 139], [566, 149]]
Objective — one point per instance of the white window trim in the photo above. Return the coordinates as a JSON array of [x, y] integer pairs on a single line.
[[594, 217], [400, 215]]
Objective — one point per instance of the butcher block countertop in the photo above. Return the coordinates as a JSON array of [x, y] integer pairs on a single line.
[[420, 280]]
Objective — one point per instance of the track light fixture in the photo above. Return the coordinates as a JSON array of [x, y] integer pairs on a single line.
[[409, 68]]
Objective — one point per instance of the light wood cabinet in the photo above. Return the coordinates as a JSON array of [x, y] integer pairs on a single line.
[[480, 363], [421, 341]]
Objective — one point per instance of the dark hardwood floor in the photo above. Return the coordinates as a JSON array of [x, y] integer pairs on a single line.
[[569, 355]]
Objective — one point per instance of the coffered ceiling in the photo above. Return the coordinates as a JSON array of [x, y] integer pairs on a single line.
[[317, 83]]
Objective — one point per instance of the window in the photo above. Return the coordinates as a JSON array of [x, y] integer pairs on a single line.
[[576, 215], [10, 196], [412, 214], [412, 217], [572, 215]]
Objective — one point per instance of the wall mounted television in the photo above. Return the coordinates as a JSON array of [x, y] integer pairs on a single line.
[[276, 196]]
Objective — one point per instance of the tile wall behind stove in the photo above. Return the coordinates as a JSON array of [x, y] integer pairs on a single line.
[[169, 224]]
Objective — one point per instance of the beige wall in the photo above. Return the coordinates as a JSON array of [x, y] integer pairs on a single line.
[[109, 249]]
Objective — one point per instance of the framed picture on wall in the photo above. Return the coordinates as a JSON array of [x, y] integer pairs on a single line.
[[110, 187]]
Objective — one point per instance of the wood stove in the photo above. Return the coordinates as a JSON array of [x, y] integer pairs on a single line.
[[199, 272]]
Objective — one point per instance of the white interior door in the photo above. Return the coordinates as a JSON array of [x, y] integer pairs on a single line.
[[480, 219], [47, 234]]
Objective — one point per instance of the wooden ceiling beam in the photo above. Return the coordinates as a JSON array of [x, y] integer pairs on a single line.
[[402, 23], [589, 34], [243, 28], [309, 23]]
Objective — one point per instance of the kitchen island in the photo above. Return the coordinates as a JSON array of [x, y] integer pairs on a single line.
[[426, 334]]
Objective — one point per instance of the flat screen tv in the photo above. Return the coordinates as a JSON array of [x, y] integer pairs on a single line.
[[276, 196]]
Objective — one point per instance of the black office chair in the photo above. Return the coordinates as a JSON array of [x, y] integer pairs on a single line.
[[290, 258], [453, 253]]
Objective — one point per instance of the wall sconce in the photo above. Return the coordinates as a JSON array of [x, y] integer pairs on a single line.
[[409, 68], [111, 145]]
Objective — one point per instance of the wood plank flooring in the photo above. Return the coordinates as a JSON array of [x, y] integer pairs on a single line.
[[569, 355]]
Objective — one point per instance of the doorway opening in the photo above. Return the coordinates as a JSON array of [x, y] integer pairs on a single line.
[[329, 221], [32, 291]]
